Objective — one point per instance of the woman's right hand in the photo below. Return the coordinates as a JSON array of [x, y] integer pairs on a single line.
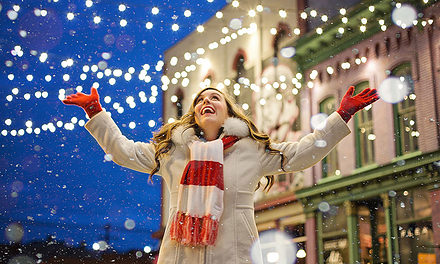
[[89, 102]]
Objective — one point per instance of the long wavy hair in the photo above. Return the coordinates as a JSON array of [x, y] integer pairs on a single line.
[[163, 143]]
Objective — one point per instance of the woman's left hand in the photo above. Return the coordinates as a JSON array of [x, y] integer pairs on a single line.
[[351, 104]]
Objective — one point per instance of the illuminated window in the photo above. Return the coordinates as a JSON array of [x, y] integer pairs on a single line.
[[363, 121], [330, 162], [405, 123]]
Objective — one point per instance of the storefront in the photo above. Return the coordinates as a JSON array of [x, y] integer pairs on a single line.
[[380, 216]]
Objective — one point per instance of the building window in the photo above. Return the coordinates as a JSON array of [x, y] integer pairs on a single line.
[[239, 67], [372, 231], [330, 162], [405, 123], [414, 226], [364, 136], [334, 235], [297, 233], [178, 103]]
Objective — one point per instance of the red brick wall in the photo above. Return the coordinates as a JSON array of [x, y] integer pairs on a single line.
[[413, 47]]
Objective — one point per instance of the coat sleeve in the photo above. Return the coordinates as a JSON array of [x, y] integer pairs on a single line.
[[138, 156], [306, 152]]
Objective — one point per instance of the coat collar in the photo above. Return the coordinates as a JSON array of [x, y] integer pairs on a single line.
[[232, 127]]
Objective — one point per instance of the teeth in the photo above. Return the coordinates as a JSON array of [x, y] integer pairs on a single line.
[[207, 109]]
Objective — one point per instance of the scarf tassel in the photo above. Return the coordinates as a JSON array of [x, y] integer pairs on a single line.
[[194, 231]]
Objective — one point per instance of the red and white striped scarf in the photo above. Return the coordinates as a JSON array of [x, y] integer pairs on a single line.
[[200, 197]]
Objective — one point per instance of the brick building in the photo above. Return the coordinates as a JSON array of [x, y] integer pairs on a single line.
[[376, 197]]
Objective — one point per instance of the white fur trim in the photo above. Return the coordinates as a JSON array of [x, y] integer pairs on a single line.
[[232, 127], [183, 136], [235, 127]]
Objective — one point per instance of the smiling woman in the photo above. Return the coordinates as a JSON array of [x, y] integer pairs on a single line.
[[212, 160]]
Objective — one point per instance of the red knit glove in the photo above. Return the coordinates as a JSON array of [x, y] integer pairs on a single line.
[[351, 104], [89, 102]]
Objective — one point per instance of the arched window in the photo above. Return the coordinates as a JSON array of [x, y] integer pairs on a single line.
[[330, 164], [363, 121], [405, 123], [239, 66], [179, 108]]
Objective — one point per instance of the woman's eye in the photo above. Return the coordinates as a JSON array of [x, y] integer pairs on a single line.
[[215, 97]]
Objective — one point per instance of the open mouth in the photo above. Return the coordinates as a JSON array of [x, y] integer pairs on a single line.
[[207, 110]]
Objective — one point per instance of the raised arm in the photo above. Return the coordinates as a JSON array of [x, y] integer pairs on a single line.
[[138, 156], [315, 146]]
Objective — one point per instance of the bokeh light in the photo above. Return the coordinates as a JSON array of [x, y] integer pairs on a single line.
[[318, 121], [52, 172], [404, 15], [393, 89], [14, 232], [288, 52], [235, 23], [275, 247]]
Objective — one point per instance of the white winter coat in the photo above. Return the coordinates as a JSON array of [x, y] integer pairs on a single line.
[[244, 164]]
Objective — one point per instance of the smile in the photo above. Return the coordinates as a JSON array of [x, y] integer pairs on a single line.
[[207, 110]]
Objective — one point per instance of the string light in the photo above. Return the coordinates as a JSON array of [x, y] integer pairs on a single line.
[[282, 13], [155, 10], [175, 27], [122, 7]]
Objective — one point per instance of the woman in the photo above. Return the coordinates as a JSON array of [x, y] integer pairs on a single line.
[[212, 160]]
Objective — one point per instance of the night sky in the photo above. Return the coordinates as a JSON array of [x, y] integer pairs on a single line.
[[55, 179]]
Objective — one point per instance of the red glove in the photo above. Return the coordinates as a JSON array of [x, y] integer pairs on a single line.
[[89, 102], [351, 104]]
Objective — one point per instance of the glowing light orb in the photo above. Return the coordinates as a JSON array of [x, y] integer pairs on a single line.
[[235, 23], [275, 247], [404, 15], [147, 249], [175, 27], [12, 15], [14, 232], [129, 224], [393, 89], [288, 52], [324, 207], [318, 121]]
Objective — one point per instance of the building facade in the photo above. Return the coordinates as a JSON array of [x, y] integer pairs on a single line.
[[376, 197]]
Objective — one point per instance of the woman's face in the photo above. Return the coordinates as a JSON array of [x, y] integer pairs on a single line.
[[210, 110]]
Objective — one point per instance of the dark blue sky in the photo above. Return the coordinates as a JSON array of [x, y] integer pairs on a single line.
[[55, 180]]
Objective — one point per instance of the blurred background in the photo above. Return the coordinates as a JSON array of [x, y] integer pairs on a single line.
[[374, 199]]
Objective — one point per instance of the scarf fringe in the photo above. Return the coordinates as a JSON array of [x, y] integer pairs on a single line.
[[194, 231]]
